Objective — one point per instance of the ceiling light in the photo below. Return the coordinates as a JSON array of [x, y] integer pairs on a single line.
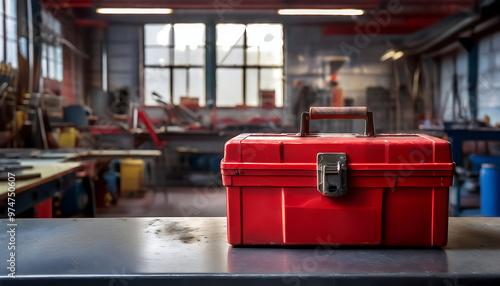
[[136, 11], [321, 12], [387, 55], [391, 54], [397, 55]]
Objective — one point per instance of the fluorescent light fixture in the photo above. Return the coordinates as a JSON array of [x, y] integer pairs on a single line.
[[391, 54], [321, 12], [134, 11], [397, 55], [387, 55]]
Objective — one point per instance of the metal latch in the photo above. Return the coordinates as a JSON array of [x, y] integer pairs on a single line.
[[332, 174]]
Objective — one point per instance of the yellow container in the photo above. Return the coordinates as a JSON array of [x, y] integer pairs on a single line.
[[20, 118], [67, 137], [131, 175]]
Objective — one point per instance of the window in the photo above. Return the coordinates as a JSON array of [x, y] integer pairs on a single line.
[[52, 57], [174, 60], [8, 32], [249, 60]]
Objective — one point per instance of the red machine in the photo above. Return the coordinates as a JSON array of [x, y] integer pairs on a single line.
[[341, 189]]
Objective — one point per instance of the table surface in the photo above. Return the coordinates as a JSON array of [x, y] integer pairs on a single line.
[[459, 128], [48, 169], [182, 247], [76, 154]]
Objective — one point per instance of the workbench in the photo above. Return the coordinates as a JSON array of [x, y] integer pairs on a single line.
[[84, 154], [95, 162], [37, 192], [58, 170], [457, 136], [48, 170], [188, 251]]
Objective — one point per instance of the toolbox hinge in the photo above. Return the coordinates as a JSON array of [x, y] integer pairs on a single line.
[[332, 174]]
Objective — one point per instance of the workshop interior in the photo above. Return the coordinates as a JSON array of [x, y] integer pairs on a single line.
[[208, 126]]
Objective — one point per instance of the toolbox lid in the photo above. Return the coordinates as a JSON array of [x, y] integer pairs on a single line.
[[409, 156], [293, 152], [295, 159]]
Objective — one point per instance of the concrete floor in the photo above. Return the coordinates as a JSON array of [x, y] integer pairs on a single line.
[[171, 201]]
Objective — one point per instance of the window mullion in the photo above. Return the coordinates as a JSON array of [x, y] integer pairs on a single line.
[[4, 31], [259, 70], [171, 52], [245, 66], [187, 82]]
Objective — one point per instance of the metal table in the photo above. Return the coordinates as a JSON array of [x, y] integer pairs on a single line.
[[172, 251], [457, 136]]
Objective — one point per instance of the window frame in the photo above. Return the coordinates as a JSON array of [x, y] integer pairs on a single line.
[[244, 67], [56, 73], [6, 17], [171, 66]]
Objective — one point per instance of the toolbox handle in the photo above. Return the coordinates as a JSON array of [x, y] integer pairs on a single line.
[[354, 112]]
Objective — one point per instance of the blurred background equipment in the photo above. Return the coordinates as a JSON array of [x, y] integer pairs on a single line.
[[117, 108]]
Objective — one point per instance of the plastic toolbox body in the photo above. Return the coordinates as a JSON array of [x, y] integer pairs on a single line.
[[340, 189]]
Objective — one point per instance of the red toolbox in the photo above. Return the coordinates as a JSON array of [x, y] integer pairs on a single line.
[[342, 189]]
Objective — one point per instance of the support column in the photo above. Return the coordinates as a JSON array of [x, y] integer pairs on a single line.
[[210, 64], [472, 81]]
